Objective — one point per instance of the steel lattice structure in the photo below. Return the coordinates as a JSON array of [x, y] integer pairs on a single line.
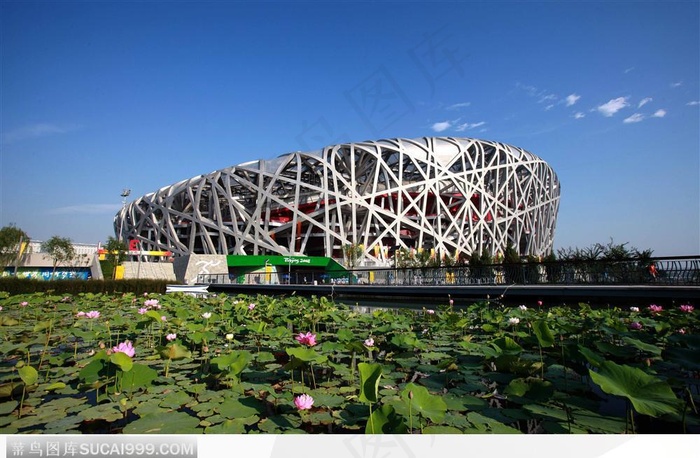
[[454, 195]]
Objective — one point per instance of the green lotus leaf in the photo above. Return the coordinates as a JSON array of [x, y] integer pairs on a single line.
[[239, 408], [638, 344], [8, 407], [121, 360], [10, 389], [108, 412], [427, 405], [6, 320], [508, 346], [532, 387], [441, 430], [174, 352], [593, 358], [164, 423], [484, 424], [385, 420], [233, 363], [306, 355], [28, 374], [55, 386], [649, 395], [42, 325], [232, 426], [369, 381], [279, 423], [543, 333], [175, 400], [140, 376]]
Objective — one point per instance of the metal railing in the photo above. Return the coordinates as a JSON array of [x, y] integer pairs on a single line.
[[678, 270]]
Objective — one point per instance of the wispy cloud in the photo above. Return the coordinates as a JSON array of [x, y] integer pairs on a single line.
[[457, 106], [572, 99], [693, 103], [37, 130], [678, 84], [644, 101], [466, 125], [441, 126], [612, 106], [627, 70], [579, 115], [86, 209], [637, 117], [659, 113]]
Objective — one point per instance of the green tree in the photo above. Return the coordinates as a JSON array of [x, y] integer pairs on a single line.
[[60, 249], [116, 253], [352, 253], [11, 239]]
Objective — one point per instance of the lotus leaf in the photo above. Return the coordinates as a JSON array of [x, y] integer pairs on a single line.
[[649, 395]]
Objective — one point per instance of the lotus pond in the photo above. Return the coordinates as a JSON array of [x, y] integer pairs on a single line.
[[98, 363]]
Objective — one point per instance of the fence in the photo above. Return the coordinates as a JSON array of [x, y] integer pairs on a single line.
[[679, 270]]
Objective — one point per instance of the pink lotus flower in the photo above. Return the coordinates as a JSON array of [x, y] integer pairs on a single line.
[[251, 306], [171, 337], [143, 310], [687, 308], [125, 347], [636, 326], [80, 314], [539, 303], [306, 339], [24, 303], [681, 331], [634, 309], [303, 402], [163, 318], [93, 314], [369, 342], [152, 303], [655, 308], [430, 312]]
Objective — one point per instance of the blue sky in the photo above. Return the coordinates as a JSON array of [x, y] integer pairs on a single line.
[[102, 96]]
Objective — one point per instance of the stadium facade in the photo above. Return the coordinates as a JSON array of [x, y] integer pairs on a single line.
[[451, 195]]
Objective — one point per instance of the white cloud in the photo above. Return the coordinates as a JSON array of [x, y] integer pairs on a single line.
[[627, 70], [571, 99], [457, 106], [440, 126], [37, 130], [547, 98], [644, 102], [693, 103], [579, 115], [548, 107], [678, 84], [86, 209], [659, 113], [466, 125], [613, 106], [634, 118]]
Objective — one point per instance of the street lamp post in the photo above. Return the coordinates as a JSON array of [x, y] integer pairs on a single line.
[[125, 193]]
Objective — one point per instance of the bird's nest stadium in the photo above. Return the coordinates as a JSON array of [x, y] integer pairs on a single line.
[[452, 195]]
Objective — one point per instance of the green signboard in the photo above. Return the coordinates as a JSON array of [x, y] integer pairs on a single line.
[[287, 261]]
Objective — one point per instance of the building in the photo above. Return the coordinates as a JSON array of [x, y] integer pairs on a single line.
[[450, 195], [35, 263]]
